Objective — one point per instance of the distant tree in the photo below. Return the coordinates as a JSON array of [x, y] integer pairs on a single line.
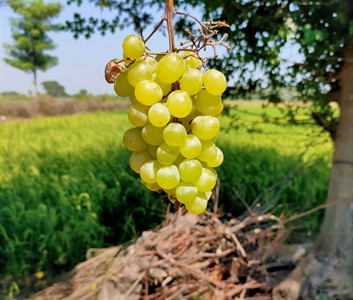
[[54, 89], [83, 92], [30, 35]]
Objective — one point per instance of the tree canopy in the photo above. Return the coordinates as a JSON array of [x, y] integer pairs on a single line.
[[30, 35]]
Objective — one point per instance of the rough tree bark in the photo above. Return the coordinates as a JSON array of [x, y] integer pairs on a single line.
[[332, 255]]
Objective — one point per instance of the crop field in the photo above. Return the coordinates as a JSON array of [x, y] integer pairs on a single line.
[[66, 185]]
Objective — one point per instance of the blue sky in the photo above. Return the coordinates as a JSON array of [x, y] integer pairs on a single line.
[[81, 62]]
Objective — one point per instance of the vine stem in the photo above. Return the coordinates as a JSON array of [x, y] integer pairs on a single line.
[[168, 15]]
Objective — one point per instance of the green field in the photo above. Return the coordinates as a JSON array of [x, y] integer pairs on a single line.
[[66, 185]]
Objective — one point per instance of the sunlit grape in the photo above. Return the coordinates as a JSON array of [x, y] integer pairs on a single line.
[[191, 59], [208, 151], [190, 170], [185, 192], [166, 154], [207, 103], [207, 181], [148, 171], [191, 147], [170, 68], [217, 160], [168, 177], [198, 205], [215, 82], [137, 114], [148, 92], [179, 103], [191, 81], [139, 72], [174, 134], [158, 115], [205, 127], [133, 46]]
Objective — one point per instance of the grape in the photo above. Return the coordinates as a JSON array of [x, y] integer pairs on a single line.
[[205, 127], [148, 92], [158, 115], [168, 177], [138, 158], [166, 154], [152, 135], [152, 62], [122, 87], [133, 46], [207, 103], [133, 140], [191, 147], [139, 71], [191, 82], [199, 204], [215, 82], [207, 181], [137, 114], [185, 192], [218, 159], [192, 60], [208, 151], [174, 134], [190, 170], [148, 171], [179, 104], [170, 68]]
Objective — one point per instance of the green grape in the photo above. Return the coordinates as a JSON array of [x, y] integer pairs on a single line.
[[192, 81], [159, 115], [205, 127], [186, 122], [138, 158], [133, 140], [152, 150], [122, 87], [154, 187], [170, 68], [179, 104], [207, 103], [148, 92], [185, 192], [199, 205], [148, 171], [192, 60], [166, 154], [208, 151], [207, 181], [137, 114], [191, 147], [152, 135], [174, 134], [138, 72], [168, 177], [166, 87], [133, 46], [190, 170], [218, 159], [215, 82]]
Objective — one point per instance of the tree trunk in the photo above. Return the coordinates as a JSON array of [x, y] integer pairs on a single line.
[[331, 258], [336, 235], [35, 84]]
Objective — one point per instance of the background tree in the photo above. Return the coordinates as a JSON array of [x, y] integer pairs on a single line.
[[260, 31], [53, 88], [30, 35]]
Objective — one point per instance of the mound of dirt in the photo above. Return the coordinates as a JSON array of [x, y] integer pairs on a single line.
[[191, 257]]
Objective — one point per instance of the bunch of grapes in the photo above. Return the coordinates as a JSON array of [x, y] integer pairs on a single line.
[[174, 109]]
